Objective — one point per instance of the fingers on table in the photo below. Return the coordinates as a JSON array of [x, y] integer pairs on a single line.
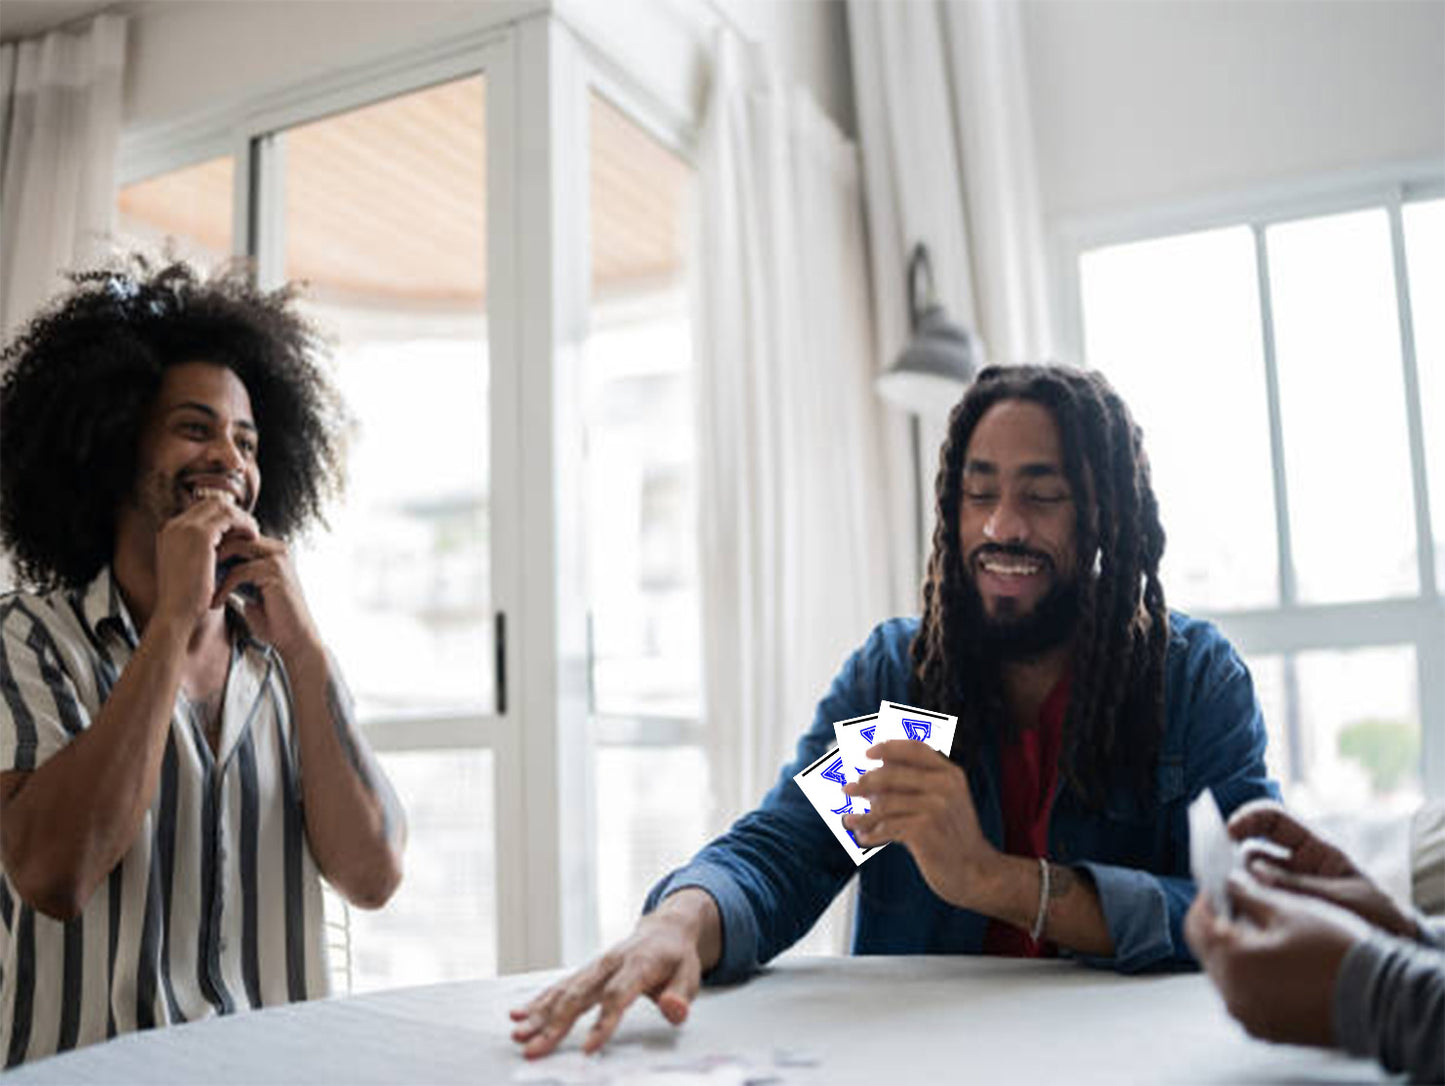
[[624, 986], [549, 1017]]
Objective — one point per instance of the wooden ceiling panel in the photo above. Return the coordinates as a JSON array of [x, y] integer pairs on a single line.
[[195, 203], [389, 201]]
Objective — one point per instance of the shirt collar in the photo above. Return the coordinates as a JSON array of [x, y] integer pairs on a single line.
[[105, 610]]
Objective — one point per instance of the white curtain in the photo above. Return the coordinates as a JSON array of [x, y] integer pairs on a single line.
[[60, 113], [948, 155], [796, 550]]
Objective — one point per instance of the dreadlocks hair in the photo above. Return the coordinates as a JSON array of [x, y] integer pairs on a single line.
[[1116, 707], [80, 378]]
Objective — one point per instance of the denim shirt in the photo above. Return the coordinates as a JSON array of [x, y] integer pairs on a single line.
[[778, 868]]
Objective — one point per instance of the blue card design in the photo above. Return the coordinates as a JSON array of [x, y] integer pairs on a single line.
[[822, 782], [854, 737], [922, 725]]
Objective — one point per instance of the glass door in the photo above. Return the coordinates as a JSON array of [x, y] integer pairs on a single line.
[[380, 213]]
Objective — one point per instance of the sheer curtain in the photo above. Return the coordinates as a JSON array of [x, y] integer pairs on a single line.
[[60, 113], [796, 550], [948, 155]]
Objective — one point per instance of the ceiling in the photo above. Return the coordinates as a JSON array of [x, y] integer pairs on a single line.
[[388, 202]]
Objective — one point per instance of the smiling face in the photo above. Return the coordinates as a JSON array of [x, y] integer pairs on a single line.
[[1017, 526], [200, 438]]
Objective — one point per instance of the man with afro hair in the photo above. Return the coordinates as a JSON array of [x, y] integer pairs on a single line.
[[179, 761]]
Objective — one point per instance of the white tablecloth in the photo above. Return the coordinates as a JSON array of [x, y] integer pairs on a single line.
[[806, 1020]]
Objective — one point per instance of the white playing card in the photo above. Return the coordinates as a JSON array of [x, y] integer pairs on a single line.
[[854, 737], [822, 782], [1211, 853], [905, 722]]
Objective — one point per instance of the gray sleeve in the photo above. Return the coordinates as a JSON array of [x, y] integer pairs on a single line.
[[1390, 1006]]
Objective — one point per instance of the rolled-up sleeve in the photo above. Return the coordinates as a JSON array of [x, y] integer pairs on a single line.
[[739, 928], [1145, 916]]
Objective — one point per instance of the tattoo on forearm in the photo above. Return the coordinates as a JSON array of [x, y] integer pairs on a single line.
[[340, 708], [338, 704], [1061, 880]]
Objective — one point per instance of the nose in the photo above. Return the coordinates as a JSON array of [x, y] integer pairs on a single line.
[[1006, 524], [224, 453]]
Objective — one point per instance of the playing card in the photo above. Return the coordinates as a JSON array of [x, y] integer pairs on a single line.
[[822, 782], [905, 722], [854, 737], [1211, 853]]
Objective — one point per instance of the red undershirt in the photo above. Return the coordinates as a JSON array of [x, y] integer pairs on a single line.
[[1028, 769]]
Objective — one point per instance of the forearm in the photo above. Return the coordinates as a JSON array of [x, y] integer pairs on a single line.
[[1389, 1004], [1010, 888], [66, 824], [354, 820]]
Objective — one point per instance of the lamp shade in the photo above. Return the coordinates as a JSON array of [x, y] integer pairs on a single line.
[[940, 359]]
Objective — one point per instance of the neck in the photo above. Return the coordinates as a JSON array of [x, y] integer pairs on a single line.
[[1026, 683]]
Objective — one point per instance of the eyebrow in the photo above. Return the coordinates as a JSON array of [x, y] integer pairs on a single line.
[[1029, 471], [210, 412]]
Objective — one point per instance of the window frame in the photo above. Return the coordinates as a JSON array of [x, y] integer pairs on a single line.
[[1291, 627]]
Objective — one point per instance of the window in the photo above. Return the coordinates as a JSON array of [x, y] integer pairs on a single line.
[[1137, 298], [188, 210], [1342, 401], [640, 525], [1290, 396], [383, 215]]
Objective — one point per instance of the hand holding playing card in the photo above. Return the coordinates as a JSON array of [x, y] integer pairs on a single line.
[[922, 800]]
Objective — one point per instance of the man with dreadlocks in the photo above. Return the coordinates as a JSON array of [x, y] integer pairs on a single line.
[[1089, 717], [178, 758]]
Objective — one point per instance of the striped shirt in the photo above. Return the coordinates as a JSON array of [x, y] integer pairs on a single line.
[[217, 906]]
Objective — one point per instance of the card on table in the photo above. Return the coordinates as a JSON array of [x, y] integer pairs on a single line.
[[854, 737], [905, 722], [822, 782]]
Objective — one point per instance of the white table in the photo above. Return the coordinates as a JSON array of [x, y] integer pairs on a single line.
[[852, 1020]]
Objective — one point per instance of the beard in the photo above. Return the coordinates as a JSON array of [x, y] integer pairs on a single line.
[[1021, 636]]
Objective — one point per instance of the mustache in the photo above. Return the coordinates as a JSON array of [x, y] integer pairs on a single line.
[[1008, 550], [236, 478]]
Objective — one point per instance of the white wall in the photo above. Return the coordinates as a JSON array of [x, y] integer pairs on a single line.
[[189, 57], [1146, 103]]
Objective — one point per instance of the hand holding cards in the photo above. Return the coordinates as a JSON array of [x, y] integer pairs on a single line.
[[823, 781], [1214, 855]]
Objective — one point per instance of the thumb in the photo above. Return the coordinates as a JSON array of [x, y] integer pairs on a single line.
[[675, 998]]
